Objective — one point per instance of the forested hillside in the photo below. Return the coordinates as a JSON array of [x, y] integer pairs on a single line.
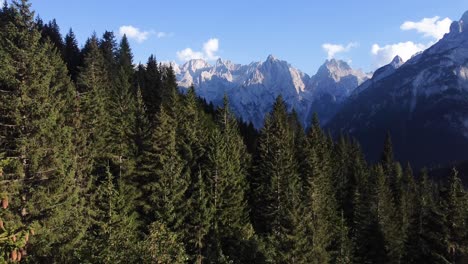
[[103, 161]]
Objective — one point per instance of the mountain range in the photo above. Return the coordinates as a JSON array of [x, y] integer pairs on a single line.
[[252, 89], [422, 102]]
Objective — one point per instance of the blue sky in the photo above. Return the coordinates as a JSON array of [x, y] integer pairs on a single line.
[[304, 33]]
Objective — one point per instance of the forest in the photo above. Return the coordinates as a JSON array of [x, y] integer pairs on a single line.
[[105, 161]]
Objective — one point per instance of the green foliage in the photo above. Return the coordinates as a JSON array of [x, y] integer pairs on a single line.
[[166, 185], [278, 186], [226, 170], [71, 54], [113, 234], [122, 168], [163, 246]]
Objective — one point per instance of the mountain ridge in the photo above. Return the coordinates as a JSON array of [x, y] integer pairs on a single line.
[[423, 104], [252, 88]]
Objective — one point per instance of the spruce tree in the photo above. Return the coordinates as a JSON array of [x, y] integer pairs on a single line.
[[198, 224], [166, 185], [226, 170], [140, 133], [456, 207], [321, 199], [71, 55], [36, 104], [278, 186], [93, 85], [366, 234], [125, 58], [388, 217], [163, 246], [151, 87], [51, 32], [108, 47], [122, 108], [408, 200], [113, 234], [345, 247]]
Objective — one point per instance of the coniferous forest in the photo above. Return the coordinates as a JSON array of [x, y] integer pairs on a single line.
[[102, 161]]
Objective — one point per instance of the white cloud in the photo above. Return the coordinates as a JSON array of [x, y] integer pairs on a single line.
[[433, 28], [333, 49], [210, 48], [188, 54], [134, 33], [383, 55], [430, 27]]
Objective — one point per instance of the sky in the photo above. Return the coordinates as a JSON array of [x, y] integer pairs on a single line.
[[366, 34]]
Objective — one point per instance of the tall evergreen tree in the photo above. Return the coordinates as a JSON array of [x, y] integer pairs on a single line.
[[36, 103], [166, 186], [163, 246], [71, 54], [366, 234], [388, 217], [321, 199], [278, 186], [198, 224], [169, 84], [456, 207], [151, 87], [113, 235], [125, 58], [122, 108], [226, 169], [108, 47], [140, 133], [345, 248], [51, 32], [93, 86]]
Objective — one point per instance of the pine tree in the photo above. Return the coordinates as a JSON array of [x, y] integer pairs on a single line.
[[125, 58], [427, 234], [278, 186], [122, 108], [345, 252], [348, 168], [166, 186], [112, 237], [169, 85], [198, 224], [71, 55], [163, 246], [456, 208], [226, 169], [151, 87], [140, 134], [108, 47], [36, 104], [388, 216], [408, 204], [320, 196], [366, 235], [93, 85], [51, 32]]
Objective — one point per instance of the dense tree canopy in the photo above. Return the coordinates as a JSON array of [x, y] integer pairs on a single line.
[[102, 161]]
